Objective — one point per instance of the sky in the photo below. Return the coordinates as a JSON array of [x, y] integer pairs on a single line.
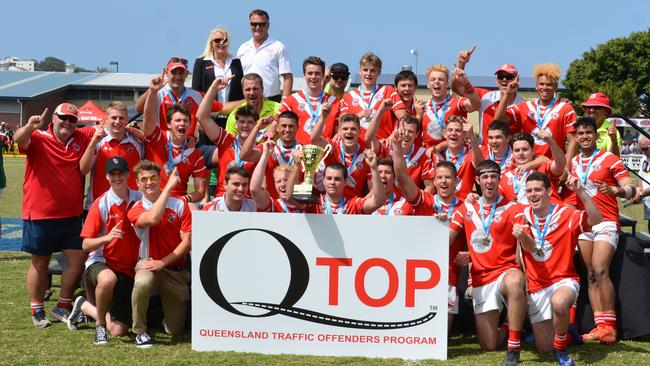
[[142, 35]]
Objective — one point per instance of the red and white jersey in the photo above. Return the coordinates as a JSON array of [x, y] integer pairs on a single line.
[[53, 185], [129, 148], [189, 97], [160, 240], [490, 100], [494, 253], [559, 119], [605, 167], [506, 161], [513, 185], [553, 261], [187, 159], [348, 205], [228, 148], [358, 170], [358, 100], [278, 205], [418, 166], [394, 206], [219, 204], [108, 210], [308, 111], [435, 117], [466, 172], [280, 155]]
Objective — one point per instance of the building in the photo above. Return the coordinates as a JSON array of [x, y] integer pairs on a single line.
[[15, 64]]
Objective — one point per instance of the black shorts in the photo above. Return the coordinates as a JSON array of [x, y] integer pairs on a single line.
[[44, 237], [120, 308]]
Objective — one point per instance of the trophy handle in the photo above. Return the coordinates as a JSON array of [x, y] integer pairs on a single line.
[[328, 150], [302, 162]]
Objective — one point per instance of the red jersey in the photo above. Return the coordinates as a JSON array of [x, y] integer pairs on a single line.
[[418, 166], [358, 170], [557, 118], [189, 97], [308, 111], [348, 205], [109, 209], [53, 185], [490, 100], [605, 167], [228, 148], [280, 155], [188, 160], [492, 254], [278, 205], [435, 117], [129, 148], [427, 204], [553, 261], [513, 186], [466, 172], [160, 240], [395, 205], [506, 161], [357, 100]]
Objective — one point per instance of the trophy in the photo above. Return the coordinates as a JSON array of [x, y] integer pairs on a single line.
[[306, 192]]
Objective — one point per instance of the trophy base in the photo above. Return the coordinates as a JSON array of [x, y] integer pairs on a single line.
[[306, 193]]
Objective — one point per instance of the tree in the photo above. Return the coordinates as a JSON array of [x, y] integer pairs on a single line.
[[619, 68], [50, 64]]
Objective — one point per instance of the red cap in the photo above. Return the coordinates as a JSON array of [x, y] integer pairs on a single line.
[[508, 69], [66, 109], [598, 100], [176, 62]]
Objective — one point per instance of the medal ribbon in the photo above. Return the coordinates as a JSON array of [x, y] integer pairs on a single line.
[[354, 157], [518, 183], [363, 99], [541, 122], [388, 207], [408, 156], [434, 108], [328, 207], [584, 174], [459, 159], [486, 226], [237, 147], [314, 112], [170, 155], [283, 151], [541, 234], [170, 93], [450, 212], [503, 160]]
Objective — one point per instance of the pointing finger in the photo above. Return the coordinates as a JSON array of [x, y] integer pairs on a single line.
[[471, 50], [44, 114]]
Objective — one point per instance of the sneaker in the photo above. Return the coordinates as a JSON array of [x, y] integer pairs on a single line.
[[60, 314], [576, 338], [143, 340], [39, 319], [101, 336], [594, 335], [76, 315], [562, 357], [608, 335], [512, 358]]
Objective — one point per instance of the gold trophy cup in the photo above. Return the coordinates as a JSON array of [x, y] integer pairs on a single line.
[[306, 192]]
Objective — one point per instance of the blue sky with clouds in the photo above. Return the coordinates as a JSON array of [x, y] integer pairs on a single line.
[[142, 35]]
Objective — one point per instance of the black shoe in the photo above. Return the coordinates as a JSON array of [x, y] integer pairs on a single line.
[[512, 358], [101, 336], [76, 315], [143, 340]]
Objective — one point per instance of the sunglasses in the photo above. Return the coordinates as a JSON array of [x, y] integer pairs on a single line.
[[594, 107], [259, 24], [152, 179], [178, 59], [220, 40], [65, 117], [505, 76], [339, 77]]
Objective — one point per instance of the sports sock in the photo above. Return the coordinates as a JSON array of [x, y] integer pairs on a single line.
[[514, 338]]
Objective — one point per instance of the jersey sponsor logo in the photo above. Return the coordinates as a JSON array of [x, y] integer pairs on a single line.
[[76, 147]]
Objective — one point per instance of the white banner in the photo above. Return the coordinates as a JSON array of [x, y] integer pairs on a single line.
[[373, 286]]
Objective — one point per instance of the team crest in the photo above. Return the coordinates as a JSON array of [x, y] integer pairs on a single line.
[[468, 216], [355, 102], [76, 147], [554, 115], [301, 106], [498, 219], [595, 167], [129, 149], [171, 217]]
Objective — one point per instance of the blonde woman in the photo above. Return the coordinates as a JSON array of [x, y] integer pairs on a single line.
[[216, 62]]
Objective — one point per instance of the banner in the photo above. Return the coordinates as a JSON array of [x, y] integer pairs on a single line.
[[338, 285]]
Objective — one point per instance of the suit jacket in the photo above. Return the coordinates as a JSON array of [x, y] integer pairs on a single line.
[[203, 76]]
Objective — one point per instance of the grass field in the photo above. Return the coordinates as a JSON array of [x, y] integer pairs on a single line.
[[22, 344]]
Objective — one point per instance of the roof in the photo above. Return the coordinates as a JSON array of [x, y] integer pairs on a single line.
[[26, 85], [487, 82]]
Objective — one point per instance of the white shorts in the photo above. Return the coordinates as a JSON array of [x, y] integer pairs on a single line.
[[539, 302], [488, 297], [452, 300], [605, 231]]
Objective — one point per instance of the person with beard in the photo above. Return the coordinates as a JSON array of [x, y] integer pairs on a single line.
[[173, 149], [497, 279], [253, 87], [237, 180], [548, 233]]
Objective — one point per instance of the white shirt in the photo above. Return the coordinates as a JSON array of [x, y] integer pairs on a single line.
[[222, 72], [219, 204], [644, 171], [270, 61]]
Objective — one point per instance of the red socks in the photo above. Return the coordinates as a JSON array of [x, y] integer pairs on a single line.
[[64, 303], [560, 341], [514, 338]]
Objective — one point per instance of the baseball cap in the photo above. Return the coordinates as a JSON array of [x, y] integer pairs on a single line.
[[116, 163], [339, 68], [66, 109], [176, 62], [508, 69], [598, 100]]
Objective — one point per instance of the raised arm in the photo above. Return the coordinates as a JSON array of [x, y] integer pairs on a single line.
[[376, 197], [463, 59], [559, 159], [248, 152], [593, 213], [21, 137], [473, 101], [501, 113], [373, 126], [613, 136], [316, 137], [261, 195], [88, 158], [408, 187], [211, 128], [287, 85], [151, 106], [154, 214], [477, 154]]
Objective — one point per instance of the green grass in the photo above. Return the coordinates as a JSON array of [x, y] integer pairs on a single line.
[[22, 344]]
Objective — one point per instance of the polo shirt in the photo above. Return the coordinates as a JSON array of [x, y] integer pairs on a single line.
[[269, 109], [604, 142], [270, 61]]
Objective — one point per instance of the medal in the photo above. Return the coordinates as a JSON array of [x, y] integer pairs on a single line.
[[541, 234]]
